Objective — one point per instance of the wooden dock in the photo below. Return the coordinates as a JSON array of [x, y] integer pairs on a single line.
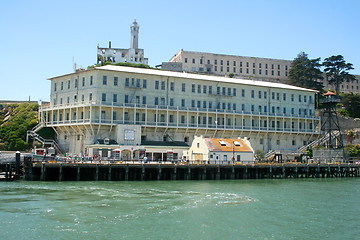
[[152, 171]]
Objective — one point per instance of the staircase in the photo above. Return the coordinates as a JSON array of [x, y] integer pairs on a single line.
[[270, 155], [317, 142], [45, 142]]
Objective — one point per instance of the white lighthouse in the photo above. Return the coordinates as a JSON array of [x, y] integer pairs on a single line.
[[118, 55], [134, 35]]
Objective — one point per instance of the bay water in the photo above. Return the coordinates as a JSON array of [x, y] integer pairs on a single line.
[[234, 209]]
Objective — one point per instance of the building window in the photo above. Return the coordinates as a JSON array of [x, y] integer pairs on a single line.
[[259, 94], [234, 106], [204, 89], [273, 95], [138, 83], [162, 85], [278, 96], [292, 97], [215, 61], [171, 102], [76, 83], [193, 103], [265, 95], [193, 60], [144, 100], [69, 84], [126, 98], [185, 60], [156, 84], [221, 62], [204, 104], [218, 90], [198, 104], [243, 92], [172, 86], [240, 70], [284, 96], [90, 96], [54, 87], [103, 97], [242, 107], [210, 89], [115, 81], [156, 101], [144, 83], [182, 119], [252, 93], [83, 81], [215, 68], [299, 98], [91, 80], [201, 61], [104, 80], [193, 88], [224, 91], [183, 102], [199, 89], [234, 92], [127, 82], [229, 91]]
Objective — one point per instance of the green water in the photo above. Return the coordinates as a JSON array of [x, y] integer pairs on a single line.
[[253, 209]]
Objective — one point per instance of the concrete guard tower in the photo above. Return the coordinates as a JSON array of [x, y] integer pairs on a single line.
[[330, 125]]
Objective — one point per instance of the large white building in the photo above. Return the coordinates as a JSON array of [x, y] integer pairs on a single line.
[[117, 55], [136, 109]]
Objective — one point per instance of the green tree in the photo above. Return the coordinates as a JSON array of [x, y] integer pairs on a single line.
[[351, 102], [13, 132], [305, 72], [337, 71]]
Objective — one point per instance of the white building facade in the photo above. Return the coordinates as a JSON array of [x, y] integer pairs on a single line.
[[117, 55], [265, 69], [137, 107]]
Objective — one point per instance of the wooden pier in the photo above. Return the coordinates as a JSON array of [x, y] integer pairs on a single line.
[[152, 171]]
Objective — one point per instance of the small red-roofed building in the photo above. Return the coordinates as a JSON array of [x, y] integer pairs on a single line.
[[220, 150]]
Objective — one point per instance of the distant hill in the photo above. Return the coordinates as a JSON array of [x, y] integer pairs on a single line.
[[15, 119]]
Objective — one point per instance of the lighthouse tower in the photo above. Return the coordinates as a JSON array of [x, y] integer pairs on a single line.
[[134, 29]]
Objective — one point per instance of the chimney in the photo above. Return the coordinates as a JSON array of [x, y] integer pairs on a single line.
[[109, 44]]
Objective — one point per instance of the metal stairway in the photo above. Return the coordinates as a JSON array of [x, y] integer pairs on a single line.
[[45, 142], [317, 142]]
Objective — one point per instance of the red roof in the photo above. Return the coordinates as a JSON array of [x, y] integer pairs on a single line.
[[329, 93], [228, 145]]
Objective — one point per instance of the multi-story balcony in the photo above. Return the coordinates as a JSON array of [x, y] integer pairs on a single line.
[[97, 112]]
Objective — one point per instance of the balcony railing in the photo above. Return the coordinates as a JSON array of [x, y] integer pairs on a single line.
[[176, 108]]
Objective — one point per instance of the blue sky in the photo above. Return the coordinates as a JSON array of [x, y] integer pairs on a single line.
[[42, 39]]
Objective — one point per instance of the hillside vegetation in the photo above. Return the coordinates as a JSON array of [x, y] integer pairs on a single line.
[[15, 120]]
